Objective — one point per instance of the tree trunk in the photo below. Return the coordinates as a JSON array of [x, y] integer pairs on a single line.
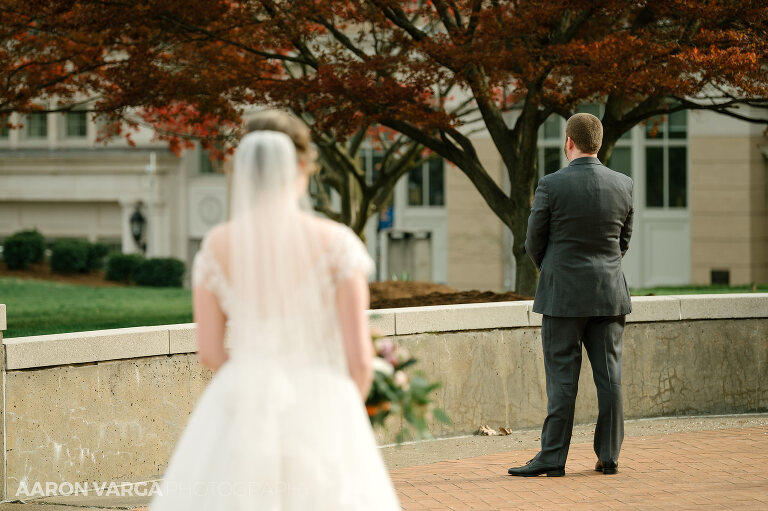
[[522, 177], [526, 274]]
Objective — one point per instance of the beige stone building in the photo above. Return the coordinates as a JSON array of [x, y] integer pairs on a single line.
[[701, 201], [701, 205], [56, 178]]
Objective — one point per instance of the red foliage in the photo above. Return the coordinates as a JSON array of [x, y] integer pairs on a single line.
[[192, 68], [433, 70]]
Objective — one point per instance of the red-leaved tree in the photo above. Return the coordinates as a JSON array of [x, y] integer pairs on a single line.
[[436, 71]]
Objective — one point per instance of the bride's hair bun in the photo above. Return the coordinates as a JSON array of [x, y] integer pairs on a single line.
[[295, 128]]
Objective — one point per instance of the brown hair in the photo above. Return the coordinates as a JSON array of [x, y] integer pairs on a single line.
[[295, 128], [586, 131]]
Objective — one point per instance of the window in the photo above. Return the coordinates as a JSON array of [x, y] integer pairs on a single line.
[[621, 159], [416, 187], [666, 162], [590, 108], [374, 168], [552, 128], [37, 125], [551, 159], [3, 129], [551, 136], [370, 160], [208, 166], [436, 188], [426, 184], [76, 124]]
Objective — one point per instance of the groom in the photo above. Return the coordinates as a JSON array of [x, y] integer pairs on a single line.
[[578, 232]]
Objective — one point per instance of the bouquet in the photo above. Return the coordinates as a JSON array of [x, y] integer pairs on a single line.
[[397, 390]]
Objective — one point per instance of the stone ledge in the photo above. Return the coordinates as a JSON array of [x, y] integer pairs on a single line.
[[84, 347], [3, 325], [644, 309], [534, 318], [448, 318], [181, 338], [743, 305], [654, 308], [101, 345], [383, 320]]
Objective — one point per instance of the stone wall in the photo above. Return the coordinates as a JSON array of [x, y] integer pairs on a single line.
[[109, 405]]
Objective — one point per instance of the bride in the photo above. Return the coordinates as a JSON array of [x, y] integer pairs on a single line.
[[282, 424]]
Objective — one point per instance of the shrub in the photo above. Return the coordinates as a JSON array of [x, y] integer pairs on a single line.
[[122, 267], [97, 252], [160, 272], [23, 248], [36, 243], [68, 256]]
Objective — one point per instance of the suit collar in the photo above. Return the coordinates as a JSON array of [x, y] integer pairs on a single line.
[[585, 160]]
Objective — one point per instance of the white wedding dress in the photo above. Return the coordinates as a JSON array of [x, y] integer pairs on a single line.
[[282, 425]]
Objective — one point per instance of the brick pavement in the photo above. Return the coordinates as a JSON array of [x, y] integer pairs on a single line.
[[723, 469], [710, 469]]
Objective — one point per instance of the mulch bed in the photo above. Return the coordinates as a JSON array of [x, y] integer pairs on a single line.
[[388, 295], [384, 295], [41, 271]]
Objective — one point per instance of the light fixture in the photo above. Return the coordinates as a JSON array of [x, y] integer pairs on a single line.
[[138, 224]]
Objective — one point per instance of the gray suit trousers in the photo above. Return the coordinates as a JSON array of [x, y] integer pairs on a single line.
[[562, 339]]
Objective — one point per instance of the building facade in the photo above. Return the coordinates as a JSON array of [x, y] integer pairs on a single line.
[[56, 178], [701, 200]]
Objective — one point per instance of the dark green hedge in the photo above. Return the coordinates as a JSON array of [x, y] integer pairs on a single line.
[[160, 272], [122, 267], [70, 256], [97, 253], [23, 248]]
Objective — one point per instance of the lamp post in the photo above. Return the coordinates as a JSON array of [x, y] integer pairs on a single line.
[[138, 225], [151, 170]]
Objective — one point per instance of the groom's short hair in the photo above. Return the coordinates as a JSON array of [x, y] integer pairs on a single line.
[[586, 131]]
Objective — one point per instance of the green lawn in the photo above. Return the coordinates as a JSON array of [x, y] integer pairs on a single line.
[[697, 290], [36, 307]]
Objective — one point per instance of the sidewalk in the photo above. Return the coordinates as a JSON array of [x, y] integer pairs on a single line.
[[722, 469], [672, 463]]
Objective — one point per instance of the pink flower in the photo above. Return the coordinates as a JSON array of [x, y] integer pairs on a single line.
[[385, 348]]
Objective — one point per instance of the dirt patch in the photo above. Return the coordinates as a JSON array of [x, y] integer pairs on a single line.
[[41, 271], [387, 295], [384, 295]]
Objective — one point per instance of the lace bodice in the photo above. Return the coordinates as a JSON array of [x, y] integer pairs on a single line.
[[345, 255]]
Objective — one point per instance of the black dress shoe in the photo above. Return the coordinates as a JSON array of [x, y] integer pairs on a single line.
[[607, 467], [537, 468]]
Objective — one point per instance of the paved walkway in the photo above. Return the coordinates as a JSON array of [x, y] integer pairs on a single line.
[[665, 464], [723, 469]]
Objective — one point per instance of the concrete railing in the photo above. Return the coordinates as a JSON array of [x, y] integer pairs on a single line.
[[103, 405]]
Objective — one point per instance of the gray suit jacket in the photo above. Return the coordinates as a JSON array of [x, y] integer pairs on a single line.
[[578, 232]]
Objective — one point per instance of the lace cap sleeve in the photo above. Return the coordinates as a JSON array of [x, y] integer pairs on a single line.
[[350, 256], [207, 272]]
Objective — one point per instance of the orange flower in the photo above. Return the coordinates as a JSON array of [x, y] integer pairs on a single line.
[[381, 407]]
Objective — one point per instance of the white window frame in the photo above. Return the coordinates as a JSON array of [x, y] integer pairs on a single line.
[[666, 143]]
